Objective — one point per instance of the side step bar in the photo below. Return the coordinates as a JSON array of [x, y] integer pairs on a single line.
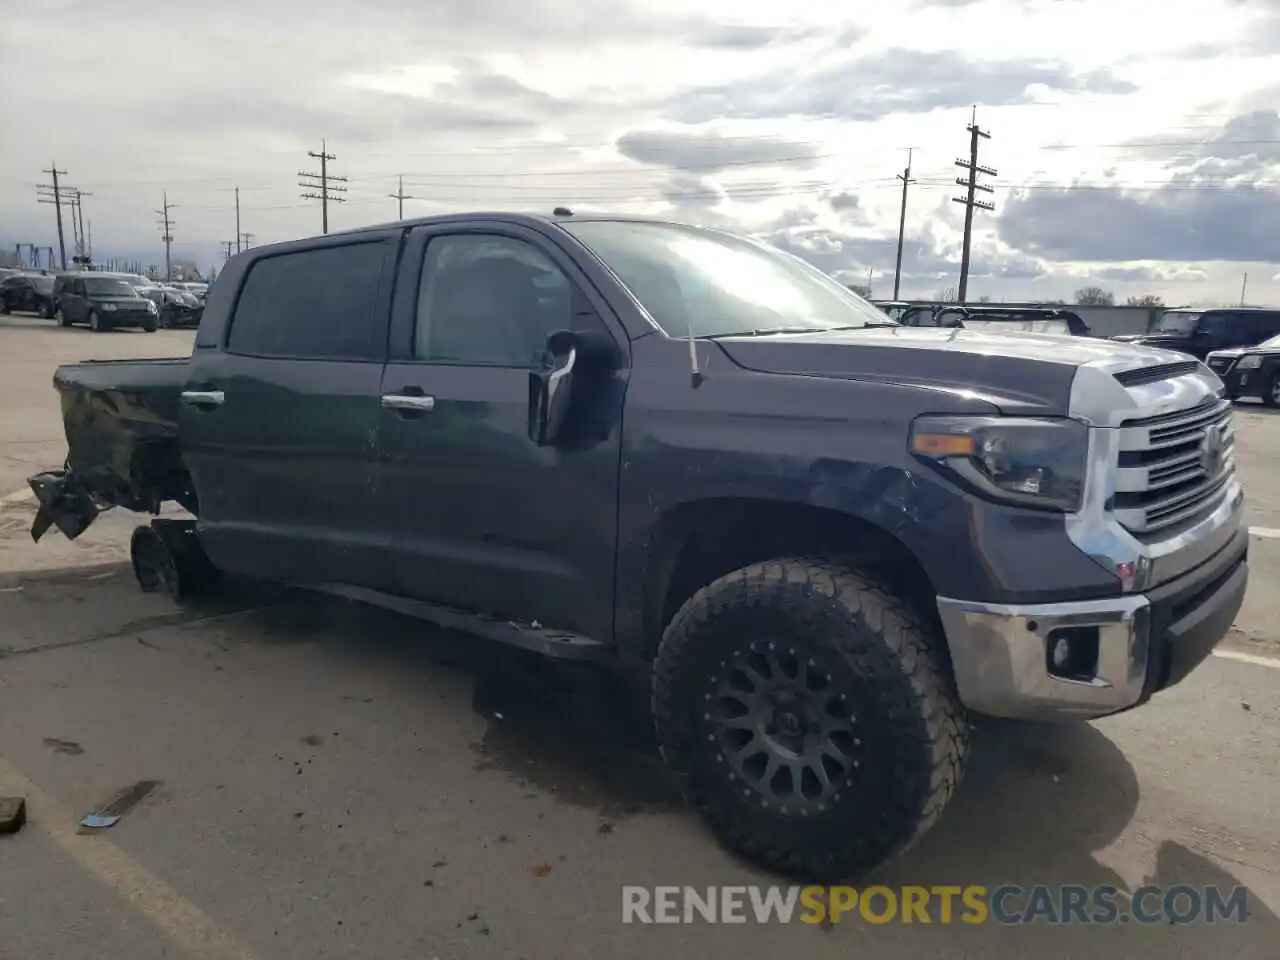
[[557, 644]]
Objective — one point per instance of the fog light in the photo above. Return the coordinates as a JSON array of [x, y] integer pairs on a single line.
[[1061, 652], [1072, 653]]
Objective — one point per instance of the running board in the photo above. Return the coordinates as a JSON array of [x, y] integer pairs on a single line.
[[558, 644]]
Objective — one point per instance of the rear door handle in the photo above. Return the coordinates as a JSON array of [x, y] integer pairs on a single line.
[[408, 402], [204, 398]]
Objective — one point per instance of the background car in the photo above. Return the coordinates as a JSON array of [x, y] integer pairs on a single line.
[[29, 292], [1250, 371], [103, 302], [177, 308]]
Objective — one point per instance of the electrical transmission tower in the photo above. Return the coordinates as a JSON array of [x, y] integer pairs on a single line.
[[401, 196], [969, 200], [77, 223], [245, 238], [905, 177], [330, 187], [226, 248], [52, 193], [166, 234]]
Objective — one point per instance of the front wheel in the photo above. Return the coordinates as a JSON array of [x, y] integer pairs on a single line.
[[810, 712], [61, 317], [95, 322], [1271, 392]]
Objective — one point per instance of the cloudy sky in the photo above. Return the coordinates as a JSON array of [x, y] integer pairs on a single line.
[[1137, 145]]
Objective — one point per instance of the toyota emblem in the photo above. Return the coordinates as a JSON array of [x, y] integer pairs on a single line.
[[1211, 451]]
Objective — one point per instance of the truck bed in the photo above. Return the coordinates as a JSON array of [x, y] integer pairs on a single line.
[[121, 423]]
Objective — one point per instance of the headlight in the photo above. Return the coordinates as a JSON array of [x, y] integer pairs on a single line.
[[1249, 362], [151, 307], [1033, 462], [108, 307]]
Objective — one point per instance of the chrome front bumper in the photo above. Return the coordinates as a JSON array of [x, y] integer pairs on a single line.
[[1145, 643]]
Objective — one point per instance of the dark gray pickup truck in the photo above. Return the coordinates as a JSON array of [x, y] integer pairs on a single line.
[[818, 539]]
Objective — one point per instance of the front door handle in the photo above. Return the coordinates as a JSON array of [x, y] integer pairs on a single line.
[[408, 402], [204, 398]]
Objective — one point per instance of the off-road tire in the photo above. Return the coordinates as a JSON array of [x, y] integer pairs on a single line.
[[96, 323], [61, 317], [1270, 391], [912, 733]]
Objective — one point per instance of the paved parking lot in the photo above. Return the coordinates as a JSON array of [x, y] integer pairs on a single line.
[[304, 778]]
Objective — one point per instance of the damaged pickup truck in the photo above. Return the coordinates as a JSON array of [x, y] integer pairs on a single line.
[[817, 539]]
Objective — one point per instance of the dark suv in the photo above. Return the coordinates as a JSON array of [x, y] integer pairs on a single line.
[[32, 292], [102, 302], [1200, 332]]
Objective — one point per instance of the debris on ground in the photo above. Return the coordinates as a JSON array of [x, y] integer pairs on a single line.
[[13, 814], [1245, 706], [542, 870], [69, 747], [96, 821]]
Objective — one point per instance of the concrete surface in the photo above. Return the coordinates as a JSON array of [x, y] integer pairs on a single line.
[[323, 780]]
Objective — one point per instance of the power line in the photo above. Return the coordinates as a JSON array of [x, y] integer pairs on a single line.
[[324, 181], [56, 199], [905, 177], [970, 202], [401, 196], [166, 227]]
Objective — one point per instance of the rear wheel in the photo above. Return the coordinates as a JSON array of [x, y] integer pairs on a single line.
[[811, 715], [4, 305]]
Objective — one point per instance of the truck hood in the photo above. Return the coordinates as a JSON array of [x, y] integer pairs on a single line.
[[1027, 372]]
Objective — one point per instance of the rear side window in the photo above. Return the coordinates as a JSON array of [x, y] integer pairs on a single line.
[[315, 304]]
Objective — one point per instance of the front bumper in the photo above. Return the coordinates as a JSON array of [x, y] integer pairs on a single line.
[[1144, 642]]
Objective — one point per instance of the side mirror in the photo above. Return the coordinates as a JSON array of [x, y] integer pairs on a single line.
[[551, 389]]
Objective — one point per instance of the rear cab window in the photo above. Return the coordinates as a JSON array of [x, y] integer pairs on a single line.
[[319, 303]]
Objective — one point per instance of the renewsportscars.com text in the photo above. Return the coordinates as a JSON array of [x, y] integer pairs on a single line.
[[1005, 904]]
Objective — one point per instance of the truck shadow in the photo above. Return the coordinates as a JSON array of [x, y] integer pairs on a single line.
[[1039, 805]]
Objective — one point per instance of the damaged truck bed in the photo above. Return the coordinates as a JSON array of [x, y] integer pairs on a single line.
[[121, 420]]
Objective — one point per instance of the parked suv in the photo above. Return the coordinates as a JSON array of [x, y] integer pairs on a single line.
[[1250, 371], [1200, 332], [102, 302], [32, 292]]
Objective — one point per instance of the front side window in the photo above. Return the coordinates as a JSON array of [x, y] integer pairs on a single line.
[[490, 300], [697, 282], [317, 304]]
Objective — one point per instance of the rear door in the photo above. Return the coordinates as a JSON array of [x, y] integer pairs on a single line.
[[482, 517], [279, 421]]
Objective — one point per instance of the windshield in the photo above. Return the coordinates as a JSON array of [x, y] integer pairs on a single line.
[[107, 287], [1171, 322], [702, 283]]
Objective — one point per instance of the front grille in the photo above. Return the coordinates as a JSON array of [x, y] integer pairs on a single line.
[[1174, 469]]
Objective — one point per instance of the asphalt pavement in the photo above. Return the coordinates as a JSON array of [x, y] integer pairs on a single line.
[[302, 777]]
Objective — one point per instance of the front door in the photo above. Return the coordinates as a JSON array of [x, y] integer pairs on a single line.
[[482, 517], [279, 427]]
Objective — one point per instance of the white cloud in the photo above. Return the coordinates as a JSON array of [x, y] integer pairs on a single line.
[[808, 115]]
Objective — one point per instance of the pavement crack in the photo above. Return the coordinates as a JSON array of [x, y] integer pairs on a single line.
[[132, 629]]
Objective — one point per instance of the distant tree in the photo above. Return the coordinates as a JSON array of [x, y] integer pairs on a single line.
[[861, 289], [1146, 300], [984, 299], [1094, 297], [948, 295]]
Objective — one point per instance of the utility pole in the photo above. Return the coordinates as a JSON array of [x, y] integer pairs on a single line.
[[166, 227], [1244, 285], [245, 238], [56, 199], [868, 283], [401, 196], [905, 177], [969, 201], [330, 186], [238, 234], [226, 248]]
